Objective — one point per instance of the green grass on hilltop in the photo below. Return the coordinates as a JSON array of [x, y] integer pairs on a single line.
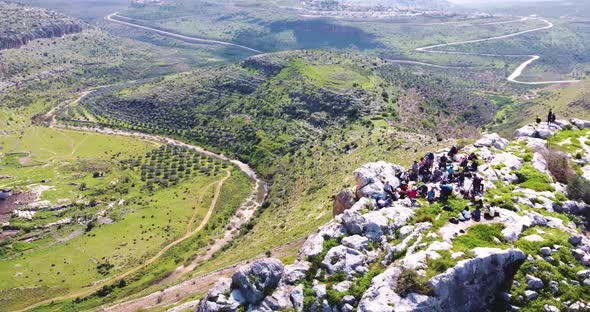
[[533, 179], [480, 235], [339, 77]]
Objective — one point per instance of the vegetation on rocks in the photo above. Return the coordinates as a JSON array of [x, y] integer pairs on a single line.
[[405, 256], [20, 24]]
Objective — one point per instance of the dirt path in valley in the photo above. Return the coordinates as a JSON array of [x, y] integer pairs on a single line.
[[256, 198], [153, 259], [194, 286]]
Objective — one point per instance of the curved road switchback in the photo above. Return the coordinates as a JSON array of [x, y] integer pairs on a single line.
[[518, 72], [427, 49]]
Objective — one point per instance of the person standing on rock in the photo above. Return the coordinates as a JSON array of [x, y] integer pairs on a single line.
[[549, 116], [452, 152]]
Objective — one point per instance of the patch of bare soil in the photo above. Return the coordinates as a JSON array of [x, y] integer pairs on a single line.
[[176, 293], [4, 235], [13, 202], [25, 161]]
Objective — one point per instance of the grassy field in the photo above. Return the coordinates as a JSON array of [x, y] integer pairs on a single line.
[[128, 223]]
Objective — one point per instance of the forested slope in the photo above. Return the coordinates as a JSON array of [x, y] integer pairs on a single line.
[[272, 104]]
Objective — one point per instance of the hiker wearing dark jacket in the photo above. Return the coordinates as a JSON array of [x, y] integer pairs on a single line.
[[550, 116], [477, 185], [430, 159], [445, 191], [474, 165], [388, 188], [461, 178], [453, 151], [431, 196], [464, 162], [442, 163], [476, 214]]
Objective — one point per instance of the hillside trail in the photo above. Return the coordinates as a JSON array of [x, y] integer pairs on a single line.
[[177, 293], [189, 226], [259, 194], [153, 259]]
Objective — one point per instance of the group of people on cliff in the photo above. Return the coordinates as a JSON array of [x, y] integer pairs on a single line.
[[436, 178]]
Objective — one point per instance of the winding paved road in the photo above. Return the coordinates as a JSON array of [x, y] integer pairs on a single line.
[[115, 18], [428, 49], [517, 73]]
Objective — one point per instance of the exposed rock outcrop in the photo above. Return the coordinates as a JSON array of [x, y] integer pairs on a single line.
[[481, 277], [258, 279], [542, 130], [344, 200], [371, 178], [405, 256], [20, 24]]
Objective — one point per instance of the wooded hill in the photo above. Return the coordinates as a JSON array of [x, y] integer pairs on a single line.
[[270, 105]]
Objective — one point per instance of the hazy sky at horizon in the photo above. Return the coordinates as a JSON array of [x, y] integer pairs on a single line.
[[492, 1]]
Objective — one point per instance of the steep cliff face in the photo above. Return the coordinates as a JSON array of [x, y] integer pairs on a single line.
[[20, 24], [18, 40]]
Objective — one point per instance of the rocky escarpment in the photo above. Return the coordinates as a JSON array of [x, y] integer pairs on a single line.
[[20, 24], [381, 255], [470, 286]]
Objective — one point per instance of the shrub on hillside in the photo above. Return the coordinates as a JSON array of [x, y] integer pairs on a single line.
[[559, 166], [579, 189], [410, 282], [531, 178]]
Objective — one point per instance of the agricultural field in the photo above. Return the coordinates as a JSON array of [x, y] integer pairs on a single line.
[[95, 206]]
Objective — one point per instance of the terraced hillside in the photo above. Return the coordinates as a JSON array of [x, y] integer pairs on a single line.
[[20, 24]]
